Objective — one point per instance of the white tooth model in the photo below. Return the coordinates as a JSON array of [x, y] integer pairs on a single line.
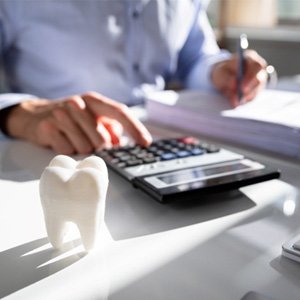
[[72, 191]]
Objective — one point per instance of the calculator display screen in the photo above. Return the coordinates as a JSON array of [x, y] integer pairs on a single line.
[[198, 173], [189, 183]]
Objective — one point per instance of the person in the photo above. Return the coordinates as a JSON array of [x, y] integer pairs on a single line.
[[72, 68]]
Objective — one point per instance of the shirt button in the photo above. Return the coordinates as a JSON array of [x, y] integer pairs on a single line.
[[136, 67], [135, 14]]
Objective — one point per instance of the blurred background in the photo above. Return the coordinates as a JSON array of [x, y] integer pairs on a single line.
[[272, 27]]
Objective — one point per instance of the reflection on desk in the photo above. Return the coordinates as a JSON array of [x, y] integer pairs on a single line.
[[220, 247]]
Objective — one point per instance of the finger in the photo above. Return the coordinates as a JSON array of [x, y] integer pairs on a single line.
[[259, 81], [223, 70], [86, 121], [250, 96], [103, 132], [255, 86], [234, 100], [75, 135], [101, 105], [50, 136], [253, 93], [114, 128], [225, 80], [255, 65]]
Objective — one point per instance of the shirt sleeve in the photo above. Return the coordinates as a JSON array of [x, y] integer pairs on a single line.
[[7, 99], [199, 54], [10, 99]]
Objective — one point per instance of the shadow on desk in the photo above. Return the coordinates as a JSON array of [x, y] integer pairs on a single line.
[[287, 268], [24, 266], [22, 161], [132, 213]]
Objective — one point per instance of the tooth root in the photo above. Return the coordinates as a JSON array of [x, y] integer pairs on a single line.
[[90, 200], [56, 230], [88, 232], [53, 197]]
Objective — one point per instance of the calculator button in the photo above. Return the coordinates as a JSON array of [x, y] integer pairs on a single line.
[[168, 156], [174, 150], [207, 146], [167, 147], [197, 151], [152, 149], [135, 151], [126, 157], [134, 162], [212, 149], [121, 164], [159, 143], [149, 160], [112, 160], [183, 153], [144, 155], [103, 153], [159, 152], [189, 147], [181, 145], [119, 154], [173, 142]]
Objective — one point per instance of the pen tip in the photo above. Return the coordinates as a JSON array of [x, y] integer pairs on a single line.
[[244, 41]]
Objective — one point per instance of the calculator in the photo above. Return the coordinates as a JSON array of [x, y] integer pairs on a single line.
[[291, 248], [184, 168]]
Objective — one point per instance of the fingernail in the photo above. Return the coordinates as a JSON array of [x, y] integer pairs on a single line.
[[76, 103], [147, 138]]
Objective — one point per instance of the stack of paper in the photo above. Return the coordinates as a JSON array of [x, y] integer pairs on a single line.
[[271, 121]]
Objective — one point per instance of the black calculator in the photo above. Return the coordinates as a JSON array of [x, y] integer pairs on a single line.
[[184, 168]]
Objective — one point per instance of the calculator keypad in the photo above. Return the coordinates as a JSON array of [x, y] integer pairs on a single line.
[[161, 150]]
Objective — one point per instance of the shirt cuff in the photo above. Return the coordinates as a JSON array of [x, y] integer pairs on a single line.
[[200, 76], [10, 99]]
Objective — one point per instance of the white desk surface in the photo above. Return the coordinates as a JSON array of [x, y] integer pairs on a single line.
[[225, 246]]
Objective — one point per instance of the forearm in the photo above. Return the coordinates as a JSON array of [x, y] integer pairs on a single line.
[[200, 75], [8, 104]]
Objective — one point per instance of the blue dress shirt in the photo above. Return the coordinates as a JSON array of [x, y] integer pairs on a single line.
[[119, 48]]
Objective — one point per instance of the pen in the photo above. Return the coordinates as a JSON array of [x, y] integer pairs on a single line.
[[242, 46]]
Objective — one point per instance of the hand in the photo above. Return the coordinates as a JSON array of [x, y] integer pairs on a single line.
[[76, 124], [224, 77]]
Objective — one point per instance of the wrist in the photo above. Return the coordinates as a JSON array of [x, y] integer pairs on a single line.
[[18, 120], [5, 114]]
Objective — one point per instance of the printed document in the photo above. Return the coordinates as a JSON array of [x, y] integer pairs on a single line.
[[271, 121]]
